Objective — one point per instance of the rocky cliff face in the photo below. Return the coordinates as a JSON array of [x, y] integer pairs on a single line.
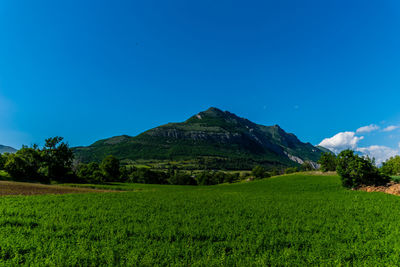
[[214, 125]]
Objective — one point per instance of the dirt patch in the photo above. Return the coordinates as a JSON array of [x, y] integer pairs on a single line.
[[17, 188], [391, 188]]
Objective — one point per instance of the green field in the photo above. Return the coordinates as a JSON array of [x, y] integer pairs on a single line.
[[289, 220]]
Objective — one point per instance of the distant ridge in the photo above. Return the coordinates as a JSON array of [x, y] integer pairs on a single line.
[[211, 133], [7, 149]]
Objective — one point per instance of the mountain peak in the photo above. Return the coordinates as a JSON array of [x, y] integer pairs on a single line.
[[212, 133], [213, 111], [7, 149]]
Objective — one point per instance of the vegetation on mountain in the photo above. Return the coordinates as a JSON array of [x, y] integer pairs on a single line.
[[222, 137]]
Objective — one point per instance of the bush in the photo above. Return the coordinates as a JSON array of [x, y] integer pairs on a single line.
[[3, 160], [181, 178], [147, 176], [260, 172], [391, 166], [307, 166], [25, 165], [90, 173], [110, 167], [327, 162], [355, 170], [291, 170]]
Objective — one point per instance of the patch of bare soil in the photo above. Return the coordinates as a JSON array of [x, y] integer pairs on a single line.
[[18, 188], [391, 188]]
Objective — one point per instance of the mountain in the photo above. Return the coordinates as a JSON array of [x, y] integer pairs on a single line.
[[8, 149], [211, 134]]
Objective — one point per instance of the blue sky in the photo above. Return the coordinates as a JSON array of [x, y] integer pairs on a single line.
[[87, 70]]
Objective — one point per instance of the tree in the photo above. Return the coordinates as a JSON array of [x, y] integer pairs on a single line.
[[57, 158], [391, 166], [3, 160], [259, 172], [181, 178], [355, 170], [306, 166], [90, 173], [327, 162], [25, 164], [111, 168]]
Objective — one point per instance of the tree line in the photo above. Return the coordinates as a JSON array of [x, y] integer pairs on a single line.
[[54, 162]]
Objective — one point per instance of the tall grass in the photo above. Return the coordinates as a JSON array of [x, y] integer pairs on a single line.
[[290, 220]]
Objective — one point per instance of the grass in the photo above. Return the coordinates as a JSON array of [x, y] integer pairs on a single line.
[[297, 219]]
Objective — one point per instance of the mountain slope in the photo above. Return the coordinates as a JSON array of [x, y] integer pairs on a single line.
[[211, 133], [7, 149]]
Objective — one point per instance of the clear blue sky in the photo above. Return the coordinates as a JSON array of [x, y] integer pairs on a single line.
[[87, 70]]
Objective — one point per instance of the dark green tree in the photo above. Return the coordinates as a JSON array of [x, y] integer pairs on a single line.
[[111, 168], [327, 162], [57, 158], [25, 164], [391, 166], [90, 173], [3, 160], [355, 170], [259, 172]]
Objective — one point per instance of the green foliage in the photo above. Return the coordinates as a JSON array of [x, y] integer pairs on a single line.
[[25, 164], [232, 142], [147, 176], [327, 162], [306, 166], [90, 173], [181, 178], [391, 166], [291, 170], [355, 170], [53, 162], [260, 172], [3, 160], [111, 168], [57, 158], [294, 220]]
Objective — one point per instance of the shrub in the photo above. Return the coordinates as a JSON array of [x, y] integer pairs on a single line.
[[355, 170], [391, 166], [291, 170], [111, 168], [181, 178], [260, 172], [25, 164], [307, 166], [90, 173], [327, 162]]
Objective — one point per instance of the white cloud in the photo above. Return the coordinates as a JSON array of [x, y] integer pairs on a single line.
[[350, 140], [380, 153], [390, 128], [341, 141], [368, 129]]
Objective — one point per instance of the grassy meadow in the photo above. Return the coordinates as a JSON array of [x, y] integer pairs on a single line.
[[298, 219]]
